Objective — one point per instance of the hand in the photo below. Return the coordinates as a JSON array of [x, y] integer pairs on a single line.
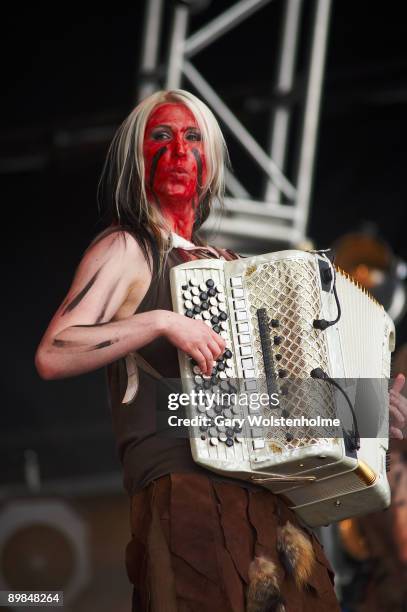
[[195, 338], [397, 408]]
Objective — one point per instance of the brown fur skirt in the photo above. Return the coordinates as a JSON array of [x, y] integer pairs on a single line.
[[193, 543]]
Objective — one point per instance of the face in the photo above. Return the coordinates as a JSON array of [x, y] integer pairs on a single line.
[[175, 167]]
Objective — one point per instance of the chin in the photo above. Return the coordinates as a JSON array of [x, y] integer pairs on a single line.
[[177, 195]]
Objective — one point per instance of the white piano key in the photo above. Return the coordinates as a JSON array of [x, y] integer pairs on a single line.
[[245, 350], [241, 315], [242, 328]]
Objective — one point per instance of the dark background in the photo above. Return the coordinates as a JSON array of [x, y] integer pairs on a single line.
[[66, 71]]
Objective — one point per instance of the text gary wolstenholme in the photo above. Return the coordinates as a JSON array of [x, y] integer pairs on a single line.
[[252, 401]]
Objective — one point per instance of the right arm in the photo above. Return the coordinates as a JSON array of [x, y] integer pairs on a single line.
[[84, 335]]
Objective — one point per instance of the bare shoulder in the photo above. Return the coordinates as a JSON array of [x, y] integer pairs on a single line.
[[125, 259]]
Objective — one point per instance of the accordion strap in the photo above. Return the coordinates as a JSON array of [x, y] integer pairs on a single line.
[[134, 361]]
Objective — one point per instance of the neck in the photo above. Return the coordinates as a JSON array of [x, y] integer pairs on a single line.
[[180, 216]]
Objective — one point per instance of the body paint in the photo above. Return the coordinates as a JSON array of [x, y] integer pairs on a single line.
[[79, 297], [175, 167]]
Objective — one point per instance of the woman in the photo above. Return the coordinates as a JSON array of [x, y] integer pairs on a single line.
[[199, 542]]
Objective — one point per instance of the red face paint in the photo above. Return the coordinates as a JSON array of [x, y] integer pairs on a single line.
[[175, 166]]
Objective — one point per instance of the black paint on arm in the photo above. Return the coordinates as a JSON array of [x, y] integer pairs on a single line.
[[81, 294]]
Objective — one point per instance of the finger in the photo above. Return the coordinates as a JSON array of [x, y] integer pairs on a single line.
[[199, 359], [215, 349], [219, 340], [398, 383], [208, 359], [399, 401], [396, 433], [396, 417]]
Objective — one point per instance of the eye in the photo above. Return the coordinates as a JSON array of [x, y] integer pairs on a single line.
[[194, 136], [160, 135]]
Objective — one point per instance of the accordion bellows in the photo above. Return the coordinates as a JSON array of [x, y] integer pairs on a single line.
[[269, 309]]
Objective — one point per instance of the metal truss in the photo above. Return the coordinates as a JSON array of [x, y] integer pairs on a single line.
[[281, 215]]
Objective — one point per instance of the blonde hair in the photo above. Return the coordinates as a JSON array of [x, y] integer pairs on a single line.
[[122, 184]]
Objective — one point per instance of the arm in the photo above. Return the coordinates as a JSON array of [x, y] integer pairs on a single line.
[[83, 334]]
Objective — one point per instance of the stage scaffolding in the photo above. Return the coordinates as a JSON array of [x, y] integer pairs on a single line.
[[280, 215]]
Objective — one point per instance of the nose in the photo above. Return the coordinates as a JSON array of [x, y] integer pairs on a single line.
[[179, 147]]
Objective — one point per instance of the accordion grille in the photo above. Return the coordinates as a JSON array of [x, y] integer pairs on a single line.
[[289, 291]]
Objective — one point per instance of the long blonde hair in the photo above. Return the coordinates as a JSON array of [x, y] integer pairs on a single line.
[[122, 188]]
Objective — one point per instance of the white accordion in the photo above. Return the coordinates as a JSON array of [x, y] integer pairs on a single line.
[[313, 349]]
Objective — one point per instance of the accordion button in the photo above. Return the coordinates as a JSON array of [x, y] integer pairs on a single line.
[[195, 291], [206, 315], [289, 437], [221, 297], [205, 306], [221, 366], [237, 293], [213, 432], [282, 373], [215, 320], [284, 390], [222, 307], [275, 323], [222, 375], [229, 442], [239, 439], [212, 292], [214, 441], [196, 369], [193, 282], [236, 410], [189, 313], [224, 335], [203, 295], [277, 340], [224, 326], [216, 329], [227, 354], [227, 413], [219, 288], [218, 409], [257, 444], [279, 357], [213, 301], [229, 372], [188, 305], [184, 287], [187, 295], [223, 437], [229, 432], [223, 316], [197, 309], [198, 379], [202, 287], [196, 300], [210, 283]]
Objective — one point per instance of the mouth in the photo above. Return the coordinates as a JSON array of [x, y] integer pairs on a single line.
[[178, 172]]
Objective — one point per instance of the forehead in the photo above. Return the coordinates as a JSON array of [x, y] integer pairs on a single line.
[[173, 113]]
